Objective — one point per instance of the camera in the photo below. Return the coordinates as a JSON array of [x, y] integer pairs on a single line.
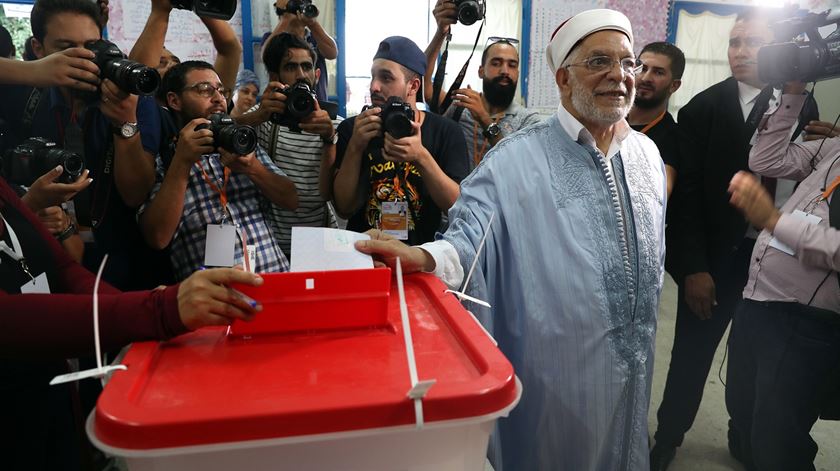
[[238, 139], [131, 77], [300, 103], [300, 6], [470, 11], [36, 156], [221, 9], [397, 117], [809, 61]]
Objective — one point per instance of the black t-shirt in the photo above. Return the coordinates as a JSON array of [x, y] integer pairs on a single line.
[[384, 181], [666, 135]]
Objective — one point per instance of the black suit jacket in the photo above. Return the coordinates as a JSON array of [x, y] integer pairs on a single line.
[[705, 227]]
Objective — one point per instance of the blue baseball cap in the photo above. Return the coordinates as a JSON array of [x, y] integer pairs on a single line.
[[404, 52]]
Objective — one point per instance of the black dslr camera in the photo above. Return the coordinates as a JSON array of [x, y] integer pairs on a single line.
[[300, 103], [809, 61], [132, 77], [221, 9], [470, 11], [239, 139], [36, 156], [300, 6], [397, 117]]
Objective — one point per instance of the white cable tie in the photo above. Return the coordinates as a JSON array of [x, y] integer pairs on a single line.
[[478, 252], [463, 296]]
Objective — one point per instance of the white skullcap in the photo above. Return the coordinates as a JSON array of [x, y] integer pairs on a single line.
[[573, 30]]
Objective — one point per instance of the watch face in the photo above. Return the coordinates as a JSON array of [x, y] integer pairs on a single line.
[[493, 129], [128, 130]]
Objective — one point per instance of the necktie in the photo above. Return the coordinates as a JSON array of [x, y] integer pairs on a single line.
[[762, 103]]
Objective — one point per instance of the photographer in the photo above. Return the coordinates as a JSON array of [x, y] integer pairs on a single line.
[[307, 28], [116, 133], [149, 48], [303, 146], [400, 184], [784, 348], [208, 205]]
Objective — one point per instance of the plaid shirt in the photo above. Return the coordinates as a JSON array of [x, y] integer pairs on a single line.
[[246, 206]]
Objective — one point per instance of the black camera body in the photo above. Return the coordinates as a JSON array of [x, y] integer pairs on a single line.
[[238, 139], [809, 61], [306, 7], [131, 77], [300, 103], [221, 9], [397, 117], [470, 11], [36, 156]]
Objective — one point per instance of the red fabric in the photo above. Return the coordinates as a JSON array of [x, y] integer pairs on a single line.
[[60, 325]]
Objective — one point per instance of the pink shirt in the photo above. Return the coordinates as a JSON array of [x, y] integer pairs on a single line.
[[774, 275]]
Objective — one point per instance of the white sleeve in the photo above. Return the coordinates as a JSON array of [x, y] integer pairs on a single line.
[[447, 264]]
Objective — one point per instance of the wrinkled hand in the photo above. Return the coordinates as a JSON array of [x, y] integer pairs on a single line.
[[54, 219], [385, 250], [118, 106], [446, 15], [406, 149], [245, 164], [205, 299], [45, 192], [471, 100], [273, 101], [752, 199], [816, 130], [72, 68], [700, 294], [192, 143], [368, 125], [318, 122]]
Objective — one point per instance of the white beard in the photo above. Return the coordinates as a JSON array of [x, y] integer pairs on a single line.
[[584, 102]]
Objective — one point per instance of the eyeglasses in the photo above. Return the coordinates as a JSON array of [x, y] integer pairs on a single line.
[[207, 90], [499, 39], [628, 65]]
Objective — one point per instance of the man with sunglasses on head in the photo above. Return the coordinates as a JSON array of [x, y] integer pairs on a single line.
[[487, 116], [209, 205], [573, 211]]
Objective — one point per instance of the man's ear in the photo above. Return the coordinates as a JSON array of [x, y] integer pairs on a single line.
[[317, 75], [413, 87], [173, 101], [562, 79], [481, 72], [38, 48], [675, 85]]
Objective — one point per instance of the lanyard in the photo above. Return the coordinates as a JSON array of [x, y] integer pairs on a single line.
[[221, 191], [653, 123], [830, 189], [16, 253]]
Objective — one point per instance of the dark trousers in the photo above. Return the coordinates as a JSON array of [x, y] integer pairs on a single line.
[[780, 360], [695, 343]]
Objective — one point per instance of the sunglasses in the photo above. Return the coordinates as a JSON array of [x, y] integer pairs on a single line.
[[499, 39]]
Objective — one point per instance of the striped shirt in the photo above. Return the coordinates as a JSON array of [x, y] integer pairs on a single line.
[[246, 206], [298, 155]]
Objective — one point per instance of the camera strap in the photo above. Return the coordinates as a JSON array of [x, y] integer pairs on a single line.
[[447, 100], [437, 85], [29, 111], [102, 194]]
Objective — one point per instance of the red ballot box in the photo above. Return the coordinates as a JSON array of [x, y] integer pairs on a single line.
[[327, 393]]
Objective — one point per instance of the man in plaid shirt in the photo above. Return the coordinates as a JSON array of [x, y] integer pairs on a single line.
[[209, 205]]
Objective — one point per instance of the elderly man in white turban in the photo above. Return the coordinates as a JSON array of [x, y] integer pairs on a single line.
[[573, 263]]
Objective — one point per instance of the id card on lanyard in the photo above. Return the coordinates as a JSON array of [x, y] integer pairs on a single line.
[[36, 284]]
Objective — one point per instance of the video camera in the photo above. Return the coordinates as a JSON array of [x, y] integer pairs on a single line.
[[239, 139], [131, 77], [470, 11], [300, 6], [221, 9], [809, 61], [36, 156], [300, 103], [397, 117]]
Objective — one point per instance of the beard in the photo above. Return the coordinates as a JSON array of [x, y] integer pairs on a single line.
[[498, 94], [584, 102], [654, 101]]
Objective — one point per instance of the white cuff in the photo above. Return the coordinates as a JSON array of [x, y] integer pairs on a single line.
[[447, 264]]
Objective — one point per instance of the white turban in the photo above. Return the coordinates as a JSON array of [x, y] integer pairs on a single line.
[[573, 30]]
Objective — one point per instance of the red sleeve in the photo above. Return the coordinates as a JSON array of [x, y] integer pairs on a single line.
[[60, 325]]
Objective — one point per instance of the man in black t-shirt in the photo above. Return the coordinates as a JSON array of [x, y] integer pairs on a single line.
[[400, 186]]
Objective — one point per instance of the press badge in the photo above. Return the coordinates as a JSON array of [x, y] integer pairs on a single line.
[[394, 220], [220, 245], [809, 218], [39, 285], [252, 259]]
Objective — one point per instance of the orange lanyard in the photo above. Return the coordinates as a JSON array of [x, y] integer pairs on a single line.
[[223, 199], [653, 123], [830, 189]]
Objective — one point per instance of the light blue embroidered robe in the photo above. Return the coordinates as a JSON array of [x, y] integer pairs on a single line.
[[574, 277]]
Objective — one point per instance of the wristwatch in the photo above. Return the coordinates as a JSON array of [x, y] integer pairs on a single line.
[[333, 140], [126, 130], [492, 130]]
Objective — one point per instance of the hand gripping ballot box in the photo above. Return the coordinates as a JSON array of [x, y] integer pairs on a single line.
[[319, 381]]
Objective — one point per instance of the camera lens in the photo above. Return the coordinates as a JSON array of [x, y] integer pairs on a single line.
[[244, 140], [310, 11], [73, 165], [397, 125], [145, 80], [469, 12]]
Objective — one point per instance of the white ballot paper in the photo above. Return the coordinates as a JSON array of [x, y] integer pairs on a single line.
[[325, 249]]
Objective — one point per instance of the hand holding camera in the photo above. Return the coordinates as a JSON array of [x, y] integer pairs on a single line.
[[118, 106], [318, 122], [446, 14], [194, 140], [244, 164], [48, 190], [366, 127], [300, 102], [273, 101], [72, 68], [239, 139], [405, 149]]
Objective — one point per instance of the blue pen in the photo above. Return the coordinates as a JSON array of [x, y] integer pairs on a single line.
[[251, 302]]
